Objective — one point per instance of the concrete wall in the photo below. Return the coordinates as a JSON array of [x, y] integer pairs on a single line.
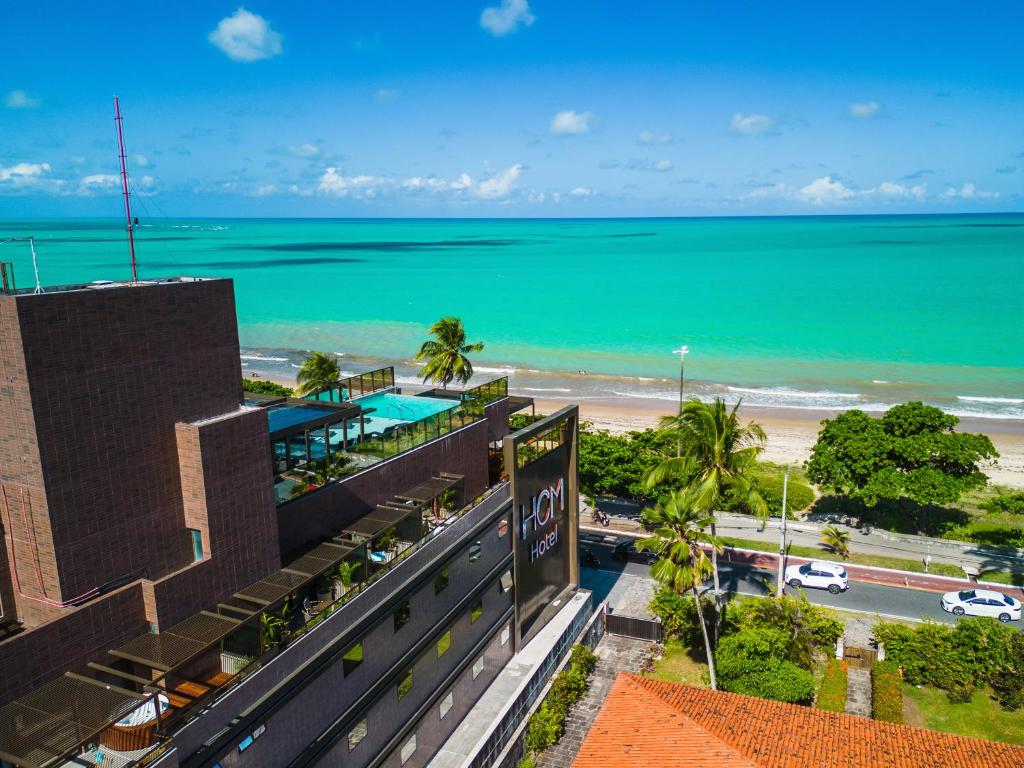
[[307, 520]]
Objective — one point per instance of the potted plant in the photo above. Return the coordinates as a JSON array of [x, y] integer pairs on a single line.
[[343, 577]]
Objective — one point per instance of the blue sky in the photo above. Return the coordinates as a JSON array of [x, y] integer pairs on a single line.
[[509, 108]]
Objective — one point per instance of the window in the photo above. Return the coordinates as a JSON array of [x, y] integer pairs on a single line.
[[357, 734], [245, 743], [402, 615], [502, 527], [408, 749], [197, 545], [441, 581], [506, 581], [444, 643], [352, 658], [474, 551], [446, 704], [476, 611], [505, 634], [478, 667], [404, 684]]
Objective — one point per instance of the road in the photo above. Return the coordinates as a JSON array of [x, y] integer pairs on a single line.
[[896, 602]]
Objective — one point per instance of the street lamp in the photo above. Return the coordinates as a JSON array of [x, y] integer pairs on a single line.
[[782, 538], [682, 351]]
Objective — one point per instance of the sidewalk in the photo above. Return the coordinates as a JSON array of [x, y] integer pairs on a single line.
[[625, 517]]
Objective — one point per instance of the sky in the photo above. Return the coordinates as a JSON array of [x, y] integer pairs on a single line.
[[510, 108]]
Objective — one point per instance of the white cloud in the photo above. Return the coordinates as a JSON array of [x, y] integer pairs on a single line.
[[500, 184], [570, 123], [262, 190], [893, 190], [751, 125], [649, 137], [244, 36], [864, 109], [434, 184], [503, 19], [18, 99], [386, 95], [22, 173], [968, 192], [304, 150], [140, 160], [582, 192], [98, 183], [826, 190], [334, 184]]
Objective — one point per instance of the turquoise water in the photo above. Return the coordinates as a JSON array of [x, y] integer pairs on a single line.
[[800, 312]]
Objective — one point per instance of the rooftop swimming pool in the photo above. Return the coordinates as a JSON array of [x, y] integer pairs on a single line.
[[392, 410]]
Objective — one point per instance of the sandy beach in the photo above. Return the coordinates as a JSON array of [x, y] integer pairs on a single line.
[[791, 432]]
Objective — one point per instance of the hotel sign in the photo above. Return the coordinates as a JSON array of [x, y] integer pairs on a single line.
[[540, 513]]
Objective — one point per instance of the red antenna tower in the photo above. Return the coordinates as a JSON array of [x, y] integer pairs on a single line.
[[124, 183]]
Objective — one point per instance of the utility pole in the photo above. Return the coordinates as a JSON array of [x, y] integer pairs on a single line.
[[782, 538]]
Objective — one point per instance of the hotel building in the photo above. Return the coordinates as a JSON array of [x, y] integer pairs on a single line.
[[193, 575]]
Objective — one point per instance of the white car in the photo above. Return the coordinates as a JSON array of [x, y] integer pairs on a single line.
[[817, 574], [982, 602]]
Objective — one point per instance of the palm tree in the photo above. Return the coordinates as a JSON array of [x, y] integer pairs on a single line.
[[319, 371], [445, 354], [836, 541], [679, 539], [716, 457]]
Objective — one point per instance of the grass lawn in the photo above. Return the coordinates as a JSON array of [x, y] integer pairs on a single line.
[[982, 718], [880, 561], [681, 665]]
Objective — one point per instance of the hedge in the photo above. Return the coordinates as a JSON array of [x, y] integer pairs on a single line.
[[832, 691], [886, 692], [261, 387], [569, 686], [958, 658]]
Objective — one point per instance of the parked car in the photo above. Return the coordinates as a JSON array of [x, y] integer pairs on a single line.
[[982, 602], [820, 575], [626, 551]]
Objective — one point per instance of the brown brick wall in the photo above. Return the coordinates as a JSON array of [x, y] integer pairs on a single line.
[[84, 634], [310, 518], [111, 371]]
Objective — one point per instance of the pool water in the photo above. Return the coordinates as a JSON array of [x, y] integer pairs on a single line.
[[393, 409]]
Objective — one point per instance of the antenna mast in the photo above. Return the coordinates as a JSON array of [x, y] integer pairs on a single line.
[[124, 183]]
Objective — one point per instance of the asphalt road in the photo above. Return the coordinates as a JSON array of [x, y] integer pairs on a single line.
[[743, 579]]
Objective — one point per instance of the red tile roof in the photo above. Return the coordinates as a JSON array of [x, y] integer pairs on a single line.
[[655, 724]]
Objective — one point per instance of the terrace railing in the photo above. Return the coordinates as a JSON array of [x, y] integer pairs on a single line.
[[375, 448], [356, 386]]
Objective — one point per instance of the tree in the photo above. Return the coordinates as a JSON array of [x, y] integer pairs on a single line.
[[836, 541], [716, 456], [445, 354], [318, 371], [913, 453], [753, 661], [678, 539]]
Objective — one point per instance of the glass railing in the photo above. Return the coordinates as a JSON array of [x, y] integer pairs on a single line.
[[363, 451], [356, 386]]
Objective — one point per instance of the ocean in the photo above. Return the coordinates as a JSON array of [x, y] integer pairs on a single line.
[[802, 312]]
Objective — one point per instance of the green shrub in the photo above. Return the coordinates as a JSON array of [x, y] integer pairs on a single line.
[[1006, 503], [799, 495], [528, 761], [887, 692], [753, 661], [544, 728], [810, 628], [832, 691], [582, 658], [261, 387]]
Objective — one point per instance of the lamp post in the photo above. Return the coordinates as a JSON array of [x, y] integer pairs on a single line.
[[782, 537], [682, 352]]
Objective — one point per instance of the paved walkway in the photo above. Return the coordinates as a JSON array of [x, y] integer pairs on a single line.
[[614, 655], [858, 689]]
